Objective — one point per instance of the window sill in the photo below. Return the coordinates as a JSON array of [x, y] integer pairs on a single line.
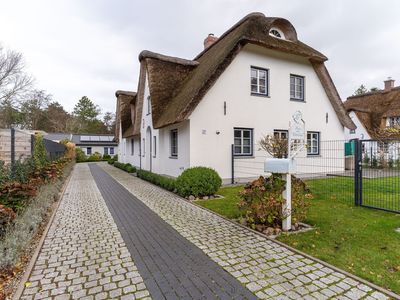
[[313, 155], [260, 95], [297, 100], [173, 157], [244, 156]]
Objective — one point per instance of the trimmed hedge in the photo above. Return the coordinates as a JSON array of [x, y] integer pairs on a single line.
[[198, 181], [126, 167], [160, 180]]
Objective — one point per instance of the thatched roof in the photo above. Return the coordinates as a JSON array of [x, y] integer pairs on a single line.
[[372, 108], [178, 85], [125, 99]]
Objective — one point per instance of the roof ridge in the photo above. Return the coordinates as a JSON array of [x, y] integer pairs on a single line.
[[237, 24], [149, 54]]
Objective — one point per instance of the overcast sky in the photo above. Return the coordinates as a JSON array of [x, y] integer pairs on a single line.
[[80, 47]]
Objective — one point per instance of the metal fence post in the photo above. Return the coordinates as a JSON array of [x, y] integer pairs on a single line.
[[12, 146], [357, 172], [232, 165]]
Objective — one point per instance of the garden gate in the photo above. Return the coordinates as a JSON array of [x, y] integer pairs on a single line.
[[377, 174]]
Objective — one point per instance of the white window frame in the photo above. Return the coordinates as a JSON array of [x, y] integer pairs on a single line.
[[111, 152], [393, 121], [88, 152], [174, 143], [239, 142], [297, 87], [280, 32], [154, 146], [148, 105], [258, 85], [313, 136], [105, 151]]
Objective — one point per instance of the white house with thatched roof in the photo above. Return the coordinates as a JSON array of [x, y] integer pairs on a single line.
[[242, 86]]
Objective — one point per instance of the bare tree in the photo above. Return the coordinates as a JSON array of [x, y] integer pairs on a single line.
[[14, 82], [13, 79], [33, 108]]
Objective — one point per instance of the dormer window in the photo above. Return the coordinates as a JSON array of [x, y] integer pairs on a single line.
[[275, 32]]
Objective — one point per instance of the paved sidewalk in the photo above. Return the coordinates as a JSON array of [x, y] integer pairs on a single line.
[[84, 256], [171, 266], [263, 266]]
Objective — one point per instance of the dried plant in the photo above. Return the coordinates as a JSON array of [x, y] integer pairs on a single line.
[[275, 146]]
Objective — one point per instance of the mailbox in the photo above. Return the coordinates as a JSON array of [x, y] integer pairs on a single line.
[[280, 165]]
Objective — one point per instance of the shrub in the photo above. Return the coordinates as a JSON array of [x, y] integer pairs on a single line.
[[126, 167], [261, 201], [95, 157], [80, 155], [106, 157], [129, 168], [39, 151], [165, 182], [198, 181]]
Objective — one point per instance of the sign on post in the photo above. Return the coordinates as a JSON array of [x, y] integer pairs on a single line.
[[287, 166]]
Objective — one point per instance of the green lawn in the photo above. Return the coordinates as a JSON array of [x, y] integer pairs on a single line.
[[356, 239]]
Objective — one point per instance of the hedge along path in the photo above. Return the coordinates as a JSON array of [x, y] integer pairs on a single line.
[[267, 268]]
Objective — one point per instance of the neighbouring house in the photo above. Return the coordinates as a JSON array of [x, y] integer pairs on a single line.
[[245, 84], [89, 143], [376, 114], [377, 117]]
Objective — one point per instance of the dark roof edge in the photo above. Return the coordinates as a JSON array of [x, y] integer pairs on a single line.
[[148, 54], [126, 93]]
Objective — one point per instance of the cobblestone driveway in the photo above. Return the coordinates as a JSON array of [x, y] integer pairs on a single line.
[[83, 255], [266, 268]]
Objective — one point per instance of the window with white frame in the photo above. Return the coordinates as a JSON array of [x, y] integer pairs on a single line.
[[154, 146], [275, 32], [313, 143], [144, 147], [111, 150], [243, 142], [105, 150], [281, 134], [89, 150], [297, 87], [174, 142], [148, 105], [132, 146], [393, 122], [259, 81]]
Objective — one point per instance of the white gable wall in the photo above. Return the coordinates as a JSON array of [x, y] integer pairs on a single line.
[[263, 114], [161, 160], [360, 132]]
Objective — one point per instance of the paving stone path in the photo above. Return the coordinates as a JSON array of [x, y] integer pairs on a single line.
[[171, 266], [266, 268], [84, 255]]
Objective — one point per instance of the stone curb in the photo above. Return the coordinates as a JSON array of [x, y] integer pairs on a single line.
[[21, 286]]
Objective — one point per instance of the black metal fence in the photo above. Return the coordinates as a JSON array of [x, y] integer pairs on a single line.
[[378, 174], [365, 173]]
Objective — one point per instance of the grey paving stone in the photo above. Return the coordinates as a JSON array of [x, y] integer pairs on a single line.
[[83, 231], [230, 246]]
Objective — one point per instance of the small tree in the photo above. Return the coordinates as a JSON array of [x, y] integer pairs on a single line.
[[361, 90], [39, 152]]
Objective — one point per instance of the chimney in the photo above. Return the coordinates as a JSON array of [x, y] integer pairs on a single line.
[[209, 40], [389, 84]]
